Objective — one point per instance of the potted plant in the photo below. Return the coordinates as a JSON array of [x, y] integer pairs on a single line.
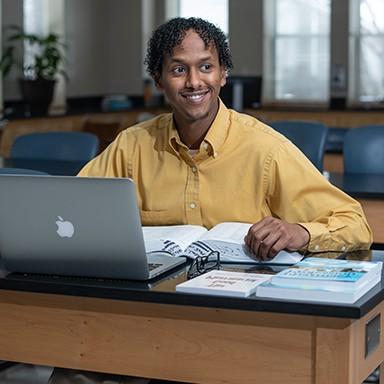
[[40, 73]]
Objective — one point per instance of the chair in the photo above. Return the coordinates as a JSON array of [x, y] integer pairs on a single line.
[[20, 171], [364, 150], [309, 136], [105, 131], [335, 139], [65, 146]]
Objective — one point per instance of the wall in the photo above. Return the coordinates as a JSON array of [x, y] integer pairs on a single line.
[[245, 33], [87, 47], [12, 14], [104, 39], [339, 48], [124, 47], [106, 48]]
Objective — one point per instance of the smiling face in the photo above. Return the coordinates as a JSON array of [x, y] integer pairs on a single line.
[[191, 79]]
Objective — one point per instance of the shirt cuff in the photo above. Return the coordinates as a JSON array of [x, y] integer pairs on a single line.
[[319, 237]]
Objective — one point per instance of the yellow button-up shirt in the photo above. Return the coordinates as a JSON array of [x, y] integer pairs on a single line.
[[243, 171]]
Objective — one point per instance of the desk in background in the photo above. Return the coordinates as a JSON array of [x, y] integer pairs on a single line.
[[149, 330]]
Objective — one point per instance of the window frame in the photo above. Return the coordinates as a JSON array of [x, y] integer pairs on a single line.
[[270, 63], [355, 56]]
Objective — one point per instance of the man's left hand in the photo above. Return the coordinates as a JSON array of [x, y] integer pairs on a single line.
[[271, 235]]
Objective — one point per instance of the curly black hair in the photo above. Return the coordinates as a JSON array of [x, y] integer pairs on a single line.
[[170, 34]]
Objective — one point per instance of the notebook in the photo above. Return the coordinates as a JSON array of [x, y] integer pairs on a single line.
[[75, 226]]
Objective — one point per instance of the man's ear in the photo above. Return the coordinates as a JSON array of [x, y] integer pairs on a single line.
[[223, 75], [158, 82]]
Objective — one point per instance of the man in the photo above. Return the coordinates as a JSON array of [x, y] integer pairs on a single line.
[[204, 164]]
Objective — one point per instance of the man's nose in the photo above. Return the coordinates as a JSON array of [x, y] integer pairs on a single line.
[[193, 79]]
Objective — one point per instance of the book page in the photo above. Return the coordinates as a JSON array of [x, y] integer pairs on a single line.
[[173, 239], [231, 232], [228, 239]]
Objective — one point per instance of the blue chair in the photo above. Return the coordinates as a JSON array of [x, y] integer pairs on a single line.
[[20, 171], [65, 146], [309, 136], [335, 139], [364, 150]]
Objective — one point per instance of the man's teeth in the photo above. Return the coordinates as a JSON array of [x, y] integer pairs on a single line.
[[195, 97]]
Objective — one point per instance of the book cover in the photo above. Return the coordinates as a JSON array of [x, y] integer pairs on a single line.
[[336, 274], [320, 294], [224, 283]]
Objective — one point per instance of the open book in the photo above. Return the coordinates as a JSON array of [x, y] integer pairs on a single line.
[[193, 240]]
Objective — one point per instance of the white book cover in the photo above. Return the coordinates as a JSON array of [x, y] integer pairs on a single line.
[[193, 240], [224, 283], [322, 293]]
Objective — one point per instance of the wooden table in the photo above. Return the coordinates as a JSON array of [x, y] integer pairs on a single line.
[[151, 331]]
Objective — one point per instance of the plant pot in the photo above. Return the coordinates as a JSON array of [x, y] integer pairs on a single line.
[[37, 95]]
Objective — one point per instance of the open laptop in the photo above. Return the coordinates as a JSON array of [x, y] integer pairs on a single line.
[[75, 226]]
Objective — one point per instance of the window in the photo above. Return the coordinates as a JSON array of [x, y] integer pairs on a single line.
[[215, 11], [297, 51], [41, 17], [35, 21], [367, 51]]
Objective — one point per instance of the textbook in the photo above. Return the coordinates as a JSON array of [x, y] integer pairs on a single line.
[[336, 274], [328, 280], [223, 283], [324, 294], [194, 240]]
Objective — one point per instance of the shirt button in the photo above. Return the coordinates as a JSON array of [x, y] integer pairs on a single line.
[[192, 205], [317, 247], [194, 169], [343, 249]]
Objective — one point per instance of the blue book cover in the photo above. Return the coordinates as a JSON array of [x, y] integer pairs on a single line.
[[315, 271]]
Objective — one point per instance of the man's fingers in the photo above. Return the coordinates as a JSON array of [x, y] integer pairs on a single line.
[[271, 245]]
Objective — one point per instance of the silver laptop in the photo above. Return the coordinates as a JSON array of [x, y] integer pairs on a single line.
[[75, 226]]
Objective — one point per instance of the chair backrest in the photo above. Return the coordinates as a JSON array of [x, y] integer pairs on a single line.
[[67, 146], [309, 136], [20, 171], [105, 131], [335, 139], [363, 150]]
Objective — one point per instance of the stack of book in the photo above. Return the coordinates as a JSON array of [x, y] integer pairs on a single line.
[[320, 279]]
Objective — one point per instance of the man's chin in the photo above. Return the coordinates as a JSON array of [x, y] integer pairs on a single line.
[[196, 115]]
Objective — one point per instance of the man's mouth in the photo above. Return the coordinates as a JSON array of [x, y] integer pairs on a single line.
[[195, 97]]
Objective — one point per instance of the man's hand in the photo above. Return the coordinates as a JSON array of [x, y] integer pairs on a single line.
[[270, 235]]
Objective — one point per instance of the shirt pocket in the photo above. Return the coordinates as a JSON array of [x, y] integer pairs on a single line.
[[160, 218]]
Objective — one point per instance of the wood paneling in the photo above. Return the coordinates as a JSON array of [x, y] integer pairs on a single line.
[[343, 119], [374, 210], [333, 162], [102, 124], [16, 128], [192, 344]]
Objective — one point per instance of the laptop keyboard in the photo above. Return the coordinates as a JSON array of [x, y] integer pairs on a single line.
[[153, 266]]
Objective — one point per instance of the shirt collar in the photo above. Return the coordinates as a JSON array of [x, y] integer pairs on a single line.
[[214, 138]]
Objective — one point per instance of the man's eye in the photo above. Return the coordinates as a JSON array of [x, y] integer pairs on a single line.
[[178, 70], [206, 67]]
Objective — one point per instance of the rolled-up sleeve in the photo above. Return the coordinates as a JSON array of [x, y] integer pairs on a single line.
[[300, 194]]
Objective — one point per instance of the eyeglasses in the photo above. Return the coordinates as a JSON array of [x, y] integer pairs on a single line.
[[202, 264]]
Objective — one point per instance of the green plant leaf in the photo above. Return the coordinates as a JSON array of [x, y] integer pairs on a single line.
[[48, 50]]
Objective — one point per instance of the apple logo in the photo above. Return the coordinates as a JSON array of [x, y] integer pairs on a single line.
[[64, 228]]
